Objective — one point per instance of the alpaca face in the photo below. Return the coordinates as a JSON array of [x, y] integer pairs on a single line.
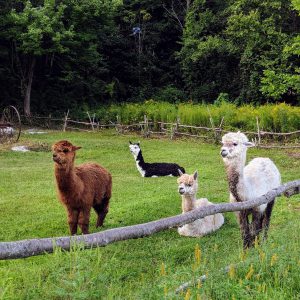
[[63, 153], [134, 148], [188, 184], [234, 145]]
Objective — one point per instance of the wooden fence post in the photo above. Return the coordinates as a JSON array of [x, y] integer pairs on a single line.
[[174, 128], [65, 121], [48, 123], [119, 125], [92, 125], [258, 132], [213, 126], [172, 131], [162, 127], [146, 127], [219, 131]]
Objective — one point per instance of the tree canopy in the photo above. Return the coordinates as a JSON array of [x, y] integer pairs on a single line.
[[60, 54]]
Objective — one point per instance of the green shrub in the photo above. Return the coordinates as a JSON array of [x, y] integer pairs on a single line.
[[170, 94], [272, 117]]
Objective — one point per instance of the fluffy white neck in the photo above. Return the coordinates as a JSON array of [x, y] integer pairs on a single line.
[[137, 156], [188, 202]]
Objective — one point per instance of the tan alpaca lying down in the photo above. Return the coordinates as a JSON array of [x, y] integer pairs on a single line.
[[187, 188]]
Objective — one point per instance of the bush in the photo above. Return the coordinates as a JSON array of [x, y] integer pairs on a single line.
[[170, 94], [276, 117]]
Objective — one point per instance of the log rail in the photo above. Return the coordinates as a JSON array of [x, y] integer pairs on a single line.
[[31, 247]]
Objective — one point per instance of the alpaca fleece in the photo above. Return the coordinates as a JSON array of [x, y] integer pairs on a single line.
[[81, 187], [247, 182], [187, 188], [152, 169]]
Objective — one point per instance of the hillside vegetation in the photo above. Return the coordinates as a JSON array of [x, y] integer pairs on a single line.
[[58, 55]]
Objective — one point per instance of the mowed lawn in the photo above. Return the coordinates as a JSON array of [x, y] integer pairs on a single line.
[[151, 267]]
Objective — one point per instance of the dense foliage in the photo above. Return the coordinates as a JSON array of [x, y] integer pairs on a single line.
[[58, 54]]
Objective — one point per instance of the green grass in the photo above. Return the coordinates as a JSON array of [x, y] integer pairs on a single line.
[[152, 267]]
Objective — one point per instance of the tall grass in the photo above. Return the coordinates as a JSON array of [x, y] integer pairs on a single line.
[[272, 117]]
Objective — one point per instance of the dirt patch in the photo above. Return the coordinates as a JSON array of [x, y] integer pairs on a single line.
[[31, 146], [39, 147]]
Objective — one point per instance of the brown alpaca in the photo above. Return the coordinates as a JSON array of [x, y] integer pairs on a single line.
[[80, 188]]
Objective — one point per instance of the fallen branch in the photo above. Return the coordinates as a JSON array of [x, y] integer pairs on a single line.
[[202, 279], [195, 282], [26, 248]]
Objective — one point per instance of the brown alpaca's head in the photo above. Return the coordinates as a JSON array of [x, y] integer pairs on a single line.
[[64, 153]]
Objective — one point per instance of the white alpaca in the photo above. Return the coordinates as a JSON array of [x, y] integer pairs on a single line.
[[249, 182], [188, 187]]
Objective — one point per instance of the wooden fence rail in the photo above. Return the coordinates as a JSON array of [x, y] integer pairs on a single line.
[[149, 128], [26, 248]]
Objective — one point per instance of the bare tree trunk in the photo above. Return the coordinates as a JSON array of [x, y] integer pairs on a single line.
[[188, 5], [26, 248], [27, 111]]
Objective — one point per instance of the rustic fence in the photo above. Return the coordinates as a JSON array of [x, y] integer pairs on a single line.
[[149, 128], [260, 137], [31, 247]]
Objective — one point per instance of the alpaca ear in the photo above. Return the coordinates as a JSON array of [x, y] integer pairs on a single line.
[[180, 172], [74, 148], [196, 175], [130, 143], [249, 144], [138, 143]]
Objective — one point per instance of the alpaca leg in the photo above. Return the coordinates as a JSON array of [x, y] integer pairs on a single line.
[[267, 217], [101, 210], [256, 225], [73, 220], [84, 219], [245, 230]]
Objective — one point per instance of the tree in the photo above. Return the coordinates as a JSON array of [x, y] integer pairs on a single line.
[[85, 71], [258, 32], [282, 80], [228, 44], [207, 64], [35, 31], [61, 51], [148, 56]]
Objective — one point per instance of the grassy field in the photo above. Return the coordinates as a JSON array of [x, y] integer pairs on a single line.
[[152, 267]]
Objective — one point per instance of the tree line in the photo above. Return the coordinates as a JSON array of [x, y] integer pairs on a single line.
[[60, 54]]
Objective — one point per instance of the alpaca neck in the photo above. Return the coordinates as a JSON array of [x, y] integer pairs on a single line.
[[65, 177], [235, 176], [188, 202], [139, 159]]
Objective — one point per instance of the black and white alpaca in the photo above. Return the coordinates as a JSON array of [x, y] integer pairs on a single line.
[[153, 169]]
